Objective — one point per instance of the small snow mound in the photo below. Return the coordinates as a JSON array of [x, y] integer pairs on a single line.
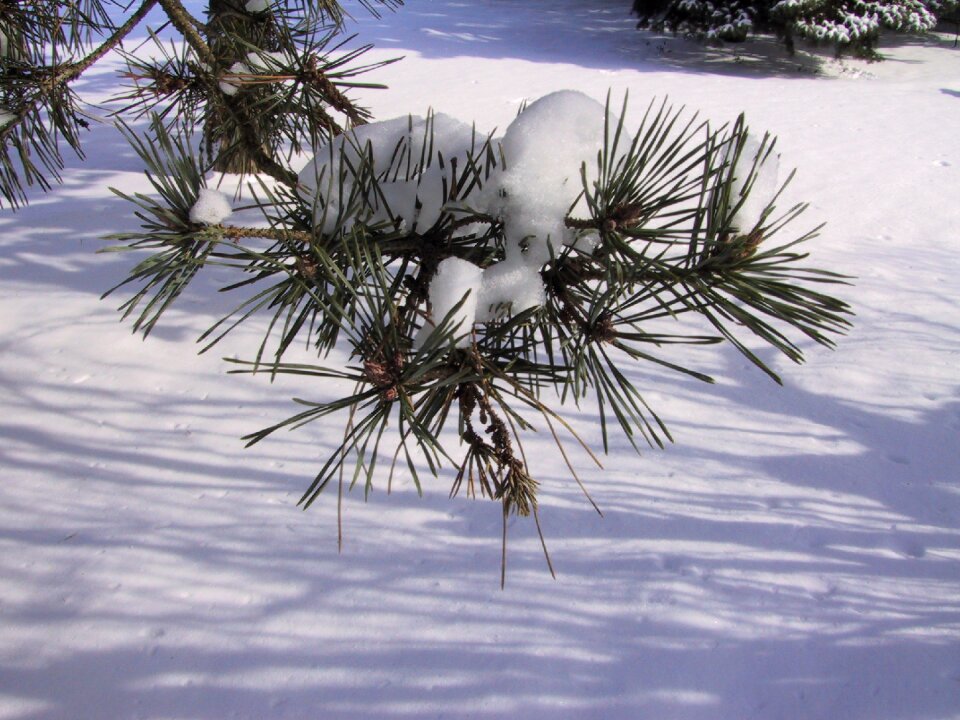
[[532, 193], [211, 208], [544, 148], [454, 279], [510, 282], [404, 154], [760, 170]]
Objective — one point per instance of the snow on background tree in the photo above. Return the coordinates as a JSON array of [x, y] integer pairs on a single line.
[[848, 25], [465, 285]]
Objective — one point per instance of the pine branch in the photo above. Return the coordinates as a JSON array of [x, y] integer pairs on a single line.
[[112, 42], [45, 103], [187, 25], [394, 254]]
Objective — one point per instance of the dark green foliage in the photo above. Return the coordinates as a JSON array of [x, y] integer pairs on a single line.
[[848, 25]]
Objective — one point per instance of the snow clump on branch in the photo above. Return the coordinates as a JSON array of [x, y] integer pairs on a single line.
[[231, 85], [540, 186], [532, 194], [456, 280], [211, 208], [755, 183], [409, 155]]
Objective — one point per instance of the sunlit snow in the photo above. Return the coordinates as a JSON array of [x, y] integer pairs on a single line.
[[794, 555]]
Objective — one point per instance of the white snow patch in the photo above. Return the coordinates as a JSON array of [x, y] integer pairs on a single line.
[[404, 157], [511, 282], [265, 62], [230, 86], [759, 170], [544, 148], [211, 208], [455, 280]]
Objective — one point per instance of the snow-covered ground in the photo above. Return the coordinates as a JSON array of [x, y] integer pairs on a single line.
[[795, 555]]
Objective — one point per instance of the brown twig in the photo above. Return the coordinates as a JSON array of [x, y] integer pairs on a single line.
[[185, 23], [232, 232]]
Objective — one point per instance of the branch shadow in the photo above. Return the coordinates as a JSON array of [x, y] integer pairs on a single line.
[[802, 565], [167, 577], [602, 34]]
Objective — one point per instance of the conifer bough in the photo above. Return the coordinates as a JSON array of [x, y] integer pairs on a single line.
[[477, 283], [262, 79]]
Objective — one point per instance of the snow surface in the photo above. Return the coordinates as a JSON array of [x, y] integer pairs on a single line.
[[795, 555]]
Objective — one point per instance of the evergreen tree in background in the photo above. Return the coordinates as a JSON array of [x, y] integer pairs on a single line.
[[457, 288], [848, 25]]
